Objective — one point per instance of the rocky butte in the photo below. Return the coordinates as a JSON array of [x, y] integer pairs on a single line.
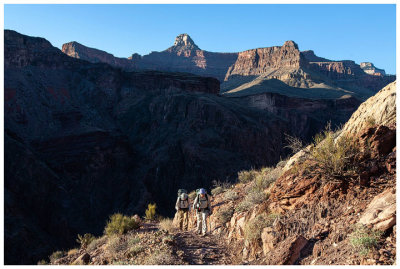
[[256, 70]]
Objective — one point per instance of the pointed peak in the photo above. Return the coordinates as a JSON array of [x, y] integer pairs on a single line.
[[185, 41], [291, 43]]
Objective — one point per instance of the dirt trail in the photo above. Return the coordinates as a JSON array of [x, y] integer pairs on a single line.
[[195, 249]]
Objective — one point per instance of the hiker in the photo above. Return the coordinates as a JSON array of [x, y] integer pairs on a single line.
[[202, 207], [182, 206]]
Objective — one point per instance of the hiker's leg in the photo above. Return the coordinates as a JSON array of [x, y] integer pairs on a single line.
[[198, 221], [204, 221], [180, 219], [185, 220]]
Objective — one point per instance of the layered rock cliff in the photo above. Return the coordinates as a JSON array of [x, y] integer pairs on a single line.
[[86, 140], [242, 71]]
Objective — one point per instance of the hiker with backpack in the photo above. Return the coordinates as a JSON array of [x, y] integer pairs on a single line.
[[202, 207], [182, 208]]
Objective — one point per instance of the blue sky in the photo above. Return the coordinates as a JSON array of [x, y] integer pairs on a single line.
[[355, 32]]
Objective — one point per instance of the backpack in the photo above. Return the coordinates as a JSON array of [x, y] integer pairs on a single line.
[[180, 191], [198, 196]]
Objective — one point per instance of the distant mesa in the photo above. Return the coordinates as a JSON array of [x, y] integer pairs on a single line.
[[369, 68], [251, 71]]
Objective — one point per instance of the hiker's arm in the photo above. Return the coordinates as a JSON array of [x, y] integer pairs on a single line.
[[194, 204], [177, 204]]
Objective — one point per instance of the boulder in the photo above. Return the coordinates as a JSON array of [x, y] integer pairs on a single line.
[[82, 260], [287, 251], [381, 212]]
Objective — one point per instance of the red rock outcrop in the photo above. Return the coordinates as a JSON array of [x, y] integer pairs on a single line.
[[264, 60]]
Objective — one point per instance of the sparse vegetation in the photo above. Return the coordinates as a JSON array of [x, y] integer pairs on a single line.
[[364, 239], [169, 240], [293, 143], [370, 122], [332, 157], [223, 215], [96, 243], [159, 257], [72, 251], [85, 240], [246, 176], [192, 195], [42, 262], [252, 198], [231, 195], [120, 224], [135, 250], [150, 212], [217, 190], [115, 245], [266, 177], [167, 225], [253, 229], [55, 256]]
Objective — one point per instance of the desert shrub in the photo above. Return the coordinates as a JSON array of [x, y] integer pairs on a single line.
[[169, 239], [133, 241], [135, 250], [265, 178], [192, 195], [42, 262], [96, 243], [223, 215], [159, 257], [243, 206], [231, 195], [332, 157], [370, 122], [256, 197], [281, 163], [85, 240], [150, 211], [293, 143], [120, 224], [217, 190], [246, 176], [56, 255], [115, 245], [167, 225], [364, 239], [253, 229], [252, 198], [72, 251]]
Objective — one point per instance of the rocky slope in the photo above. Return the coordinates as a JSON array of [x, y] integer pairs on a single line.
[[253, 69], [304, 215], [85, 140]]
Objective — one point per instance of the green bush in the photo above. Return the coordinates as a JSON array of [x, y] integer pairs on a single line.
[[223, 215], [253, 229], [231, 195], [167, 225], [252, 198], [150, 211], [265, 178], [116, 246], [133, 241], [192, 195], [333, 157], [42, 262], [364, 239], [135, 250], [96, 243], [246, 176], [55, 256], [85, 240], [243, 206], [217, 190], [120, 224]]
